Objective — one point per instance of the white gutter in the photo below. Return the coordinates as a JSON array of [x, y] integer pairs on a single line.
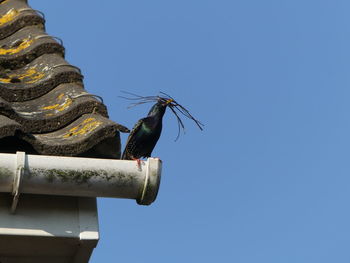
[[73, 176]]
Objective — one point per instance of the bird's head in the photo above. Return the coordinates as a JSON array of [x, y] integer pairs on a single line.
[[160, 107], [162, 102], [165, 101]]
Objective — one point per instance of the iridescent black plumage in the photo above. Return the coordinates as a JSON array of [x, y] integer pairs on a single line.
[[145, 134]]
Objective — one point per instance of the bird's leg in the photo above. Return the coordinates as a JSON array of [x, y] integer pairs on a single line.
[[138, 162]]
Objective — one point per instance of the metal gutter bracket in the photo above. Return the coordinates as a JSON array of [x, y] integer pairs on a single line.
[[20, 164]]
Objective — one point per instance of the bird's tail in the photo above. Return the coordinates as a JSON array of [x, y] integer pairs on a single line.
[[126, 155]]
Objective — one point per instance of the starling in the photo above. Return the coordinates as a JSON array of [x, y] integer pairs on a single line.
[[145, 134]]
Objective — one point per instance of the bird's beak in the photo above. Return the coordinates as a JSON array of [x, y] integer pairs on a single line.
[[169, 101]]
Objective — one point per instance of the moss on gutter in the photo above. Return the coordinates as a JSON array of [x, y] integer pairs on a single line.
[[82, 176], [5, 173]]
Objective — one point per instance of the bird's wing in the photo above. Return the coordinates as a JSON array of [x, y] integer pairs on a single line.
[[135, 129], [129, 143]]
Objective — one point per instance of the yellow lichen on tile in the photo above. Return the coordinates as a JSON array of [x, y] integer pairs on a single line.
[[59, 106], [10, 51], [3, 2], [85, 127], [9, 16], [5, 80], [32, 74]]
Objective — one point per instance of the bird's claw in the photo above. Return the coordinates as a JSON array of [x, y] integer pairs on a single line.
[[139, 163]]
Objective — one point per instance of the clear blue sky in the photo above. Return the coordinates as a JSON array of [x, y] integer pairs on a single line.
[[269, 178]]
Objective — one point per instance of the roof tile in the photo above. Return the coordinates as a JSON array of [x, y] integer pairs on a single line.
[[15, 14], [44, 108]]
